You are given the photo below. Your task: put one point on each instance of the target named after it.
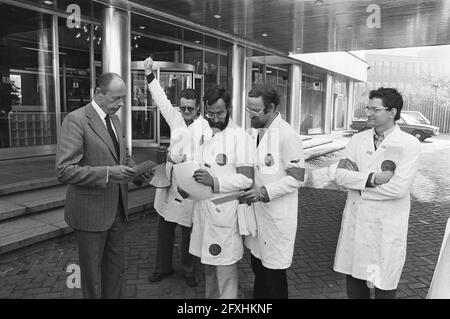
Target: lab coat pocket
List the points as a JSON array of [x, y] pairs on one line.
[[224, 215]]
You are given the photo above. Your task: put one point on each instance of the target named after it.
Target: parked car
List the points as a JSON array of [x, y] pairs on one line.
[[407, 124], [419, 117]]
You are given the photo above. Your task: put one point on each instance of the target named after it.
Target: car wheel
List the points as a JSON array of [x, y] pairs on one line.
[[419, 135]]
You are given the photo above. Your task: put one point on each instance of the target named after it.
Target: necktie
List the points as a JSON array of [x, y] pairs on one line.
[[377, 139], [112, 135]]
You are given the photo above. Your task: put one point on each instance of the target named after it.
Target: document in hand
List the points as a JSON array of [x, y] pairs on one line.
[[160, 179], [183, 174], [141, 168]]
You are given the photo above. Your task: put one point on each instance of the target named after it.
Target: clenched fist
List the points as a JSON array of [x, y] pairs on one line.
[[148, 64]]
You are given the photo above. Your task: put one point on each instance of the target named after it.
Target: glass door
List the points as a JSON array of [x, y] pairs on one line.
[[143, 112], [340, 103]]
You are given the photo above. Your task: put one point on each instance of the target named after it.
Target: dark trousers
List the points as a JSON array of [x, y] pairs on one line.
[[164, 249], [101, 260], [269, 283], [358, 289]]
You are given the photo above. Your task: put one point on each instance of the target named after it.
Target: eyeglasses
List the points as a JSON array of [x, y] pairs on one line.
[[369, 109], [218, 115], [253, 113], [186, 109]]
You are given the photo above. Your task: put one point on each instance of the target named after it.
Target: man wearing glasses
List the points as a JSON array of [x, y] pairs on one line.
[[279, 173], [187, 128], [378, 171], [227, 168]]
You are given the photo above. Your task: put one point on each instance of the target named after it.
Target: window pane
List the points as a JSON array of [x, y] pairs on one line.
[[210, 70], [27, 104]]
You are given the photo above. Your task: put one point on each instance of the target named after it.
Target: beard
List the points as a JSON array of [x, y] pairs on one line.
[[220, 125], [256, 123]]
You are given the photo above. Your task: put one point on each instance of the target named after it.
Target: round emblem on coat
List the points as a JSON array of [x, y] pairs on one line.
[[268, 160], [215, 249], [221, 159]]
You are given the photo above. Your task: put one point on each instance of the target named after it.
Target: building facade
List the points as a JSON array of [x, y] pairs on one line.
[[52, 52]]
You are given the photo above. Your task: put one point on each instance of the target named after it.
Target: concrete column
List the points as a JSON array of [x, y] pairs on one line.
[[351, 103], [294, 99], [329, 116], [236, 83], [117, 57]]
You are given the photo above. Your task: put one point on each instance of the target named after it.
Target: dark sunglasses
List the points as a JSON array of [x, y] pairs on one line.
[[187, 108]]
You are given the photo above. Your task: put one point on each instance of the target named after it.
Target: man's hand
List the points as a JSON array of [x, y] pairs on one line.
[[203, 177], [148, 64], [348, 165], [182, 192], [120, 173], [251, 196], [351, 166], [383, 177]]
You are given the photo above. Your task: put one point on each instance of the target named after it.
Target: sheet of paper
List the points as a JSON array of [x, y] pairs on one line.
[[141, 168], [226, 199], [160, 179], [183, 173], [440, 285]]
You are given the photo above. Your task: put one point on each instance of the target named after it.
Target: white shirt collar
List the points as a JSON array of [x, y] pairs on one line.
[[99, 110]]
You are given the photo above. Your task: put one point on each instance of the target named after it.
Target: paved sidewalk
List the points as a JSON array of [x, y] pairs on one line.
[[39, 271]]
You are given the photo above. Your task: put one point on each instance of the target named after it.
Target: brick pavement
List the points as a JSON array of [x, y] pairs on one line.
[[39, 271]]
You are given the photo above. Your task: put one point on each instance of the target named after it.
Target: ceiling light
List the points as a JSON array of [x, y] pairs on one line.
[[49, 3], [142, 27], [264, 34], [78, 35], [217, 16], [197, 41]]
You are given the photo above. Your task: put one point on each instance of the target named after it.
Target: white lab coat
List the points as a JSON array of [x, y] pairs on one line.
[[215, 234], [277, 219], [440, 285], [374, 228], [185, 140]]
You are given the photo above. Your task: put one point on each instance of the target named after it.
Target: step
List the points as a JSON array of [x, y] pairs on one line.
[[316, 142], [27, 230], [28, 185], [35, 201], [323, 150]]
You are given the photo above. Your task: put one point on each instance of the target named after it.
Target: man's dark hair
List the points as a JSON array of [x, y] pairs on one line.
[[190, 94], [104, 81], [268, 94], [215, 93], [391, 99]]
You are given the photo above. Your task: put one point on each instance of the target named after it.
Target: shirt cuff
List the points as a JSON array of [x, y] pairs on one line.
[[265, 195], [150, 78], [370, 180], [216, 188]]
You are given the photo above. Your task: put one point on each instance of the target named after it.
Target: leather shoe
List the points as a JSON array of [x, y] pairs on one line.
[[157, 277], [191, 281]]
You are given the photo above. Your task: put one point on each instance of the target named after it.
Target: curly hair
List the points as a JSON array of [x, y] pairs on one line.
[[391, 99]]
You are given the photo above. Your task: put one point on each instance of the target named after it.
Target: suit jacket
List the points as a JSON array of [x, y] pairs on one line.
[[84, 151]]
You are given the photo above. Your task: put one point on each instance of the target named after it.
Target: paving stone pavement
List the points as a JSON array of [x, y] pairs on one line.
[[39, 271]]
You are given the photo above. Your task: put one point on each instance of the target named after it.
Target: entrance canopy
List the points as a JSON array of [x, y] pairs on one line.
[[307, 26]]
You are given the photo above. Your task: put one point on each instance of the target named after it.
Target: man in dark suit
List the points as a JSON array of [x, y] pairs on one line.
[[93, 160]]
